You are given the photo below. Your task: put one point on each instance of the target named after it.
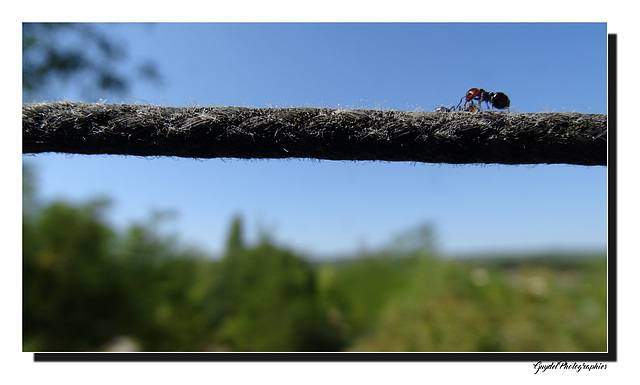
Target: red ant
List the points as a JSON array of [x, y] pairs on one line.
[[498, 100]]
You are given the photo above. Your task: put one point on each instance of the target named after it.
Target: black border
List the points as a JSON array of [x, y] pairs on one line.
[[325, 357], [612, 195], [610, 355]]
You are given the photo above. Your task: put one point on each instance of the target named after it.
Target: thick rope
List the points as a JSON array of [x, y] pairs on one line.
[[321, 133]]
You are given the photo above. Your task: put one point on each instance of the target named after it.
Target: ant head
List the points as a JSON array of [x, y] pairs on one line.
[[473, 94]]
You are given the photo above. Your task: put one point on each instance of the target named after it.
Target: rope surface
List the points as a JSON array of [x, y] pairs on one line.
[[321, 133]]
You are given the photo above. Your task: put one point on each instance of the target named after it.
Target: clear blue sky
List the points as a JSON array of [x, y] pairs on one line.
[[327, 207]]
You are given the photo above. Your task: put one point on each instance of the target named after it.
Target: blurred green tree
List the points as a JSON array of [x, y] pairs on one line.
[[78, 54], [166, 286], [354, 292], [235, 241], [265, 300], [72, 298], [84, 285]]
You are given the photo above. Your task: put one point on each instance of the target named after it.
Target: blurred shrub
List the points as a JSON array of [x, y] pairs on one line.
[[471, 308], [67, 275]]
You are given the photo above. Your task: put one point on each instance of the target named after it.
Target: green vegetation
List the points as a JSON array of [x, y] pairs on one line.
[[86, 285]]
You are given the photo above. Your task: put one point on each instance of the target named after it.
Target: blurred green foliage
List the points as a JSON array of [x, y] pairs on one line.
[[265, 300], [87, 286], [79, 55]]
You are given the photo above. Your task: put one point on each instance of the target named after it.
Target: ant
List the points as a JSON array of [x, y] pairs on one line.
[[498, 100]]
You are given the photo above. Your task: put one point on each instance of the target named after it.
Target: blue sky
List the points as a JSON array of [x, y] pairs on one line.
[[325, 207]]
